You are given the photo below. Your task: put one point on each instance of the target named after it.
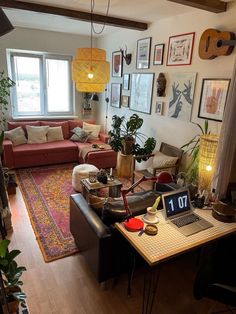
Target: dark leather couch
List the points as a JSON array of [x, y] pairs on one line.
[[104, 248]]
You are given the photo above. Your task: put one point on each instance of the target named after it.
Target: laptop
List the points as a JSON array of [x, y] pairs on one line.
[[180, 214]]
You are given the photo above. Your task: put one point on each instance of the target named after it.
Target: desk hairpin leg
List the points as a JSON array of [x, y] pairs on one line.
[[131, 272], [150, 285]]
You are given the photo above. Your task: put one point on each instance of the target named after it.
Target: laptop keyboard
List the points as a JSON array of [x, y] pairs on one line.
[[185, 220]]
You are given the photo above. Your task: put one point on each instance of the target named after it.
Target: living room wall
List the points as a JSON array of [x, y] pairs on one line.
[[46, 41], [164, 128]]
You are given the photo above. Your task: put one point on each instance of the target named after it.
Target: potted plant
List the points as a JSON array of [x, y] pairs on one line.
[[5, 86], [11, 273], [192, 147], [124, 136]]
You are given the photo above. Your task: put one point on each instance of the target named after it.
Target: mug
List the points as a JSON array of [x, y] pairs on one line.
[[93, 176]]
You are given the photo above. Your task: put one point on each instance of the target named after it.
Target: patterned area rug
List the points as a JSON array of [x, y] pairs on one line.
[[46, 192]]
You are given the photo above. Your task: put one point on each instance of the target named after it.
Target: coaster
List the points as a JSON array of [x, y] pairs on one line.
[[154, 221]]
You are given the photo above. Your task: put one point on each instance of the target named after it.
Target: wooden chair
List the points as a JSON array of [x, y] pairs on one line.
[[166, 149]]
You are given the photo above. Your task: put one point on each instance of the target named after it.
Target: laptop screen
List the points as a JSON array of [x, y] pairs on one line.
[[176, 202]]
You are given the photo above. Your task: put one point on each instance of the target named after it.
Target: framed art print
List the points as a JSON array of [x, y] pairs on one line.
[[117, 64], [213, 99], [115, 95], [143, 53], [159, 108], [158, 54], [180, 49], [126, 81], [141, 92], [125, 101]]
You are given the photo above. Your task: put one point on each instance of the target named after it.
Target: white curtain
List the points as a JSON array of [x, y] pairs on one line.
[[227, 141]]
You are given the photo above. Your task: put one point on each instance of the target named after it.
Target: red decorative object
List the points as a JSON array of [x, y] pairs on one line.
[[134, 224], [164, 177]]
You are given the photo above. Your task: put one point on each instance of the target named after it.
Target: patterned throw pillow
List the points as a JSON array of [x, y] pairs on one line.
[[161, 160], [17, 136], [79, 135]]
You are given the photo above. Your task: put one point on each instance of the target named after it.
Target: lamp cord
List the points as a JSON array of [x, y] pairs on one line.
[[92, 9]]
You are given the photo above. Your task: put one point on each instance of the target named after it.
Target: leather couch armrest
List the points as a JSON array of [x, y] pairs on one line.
[[8, 157], [95, 223], [104, 137]]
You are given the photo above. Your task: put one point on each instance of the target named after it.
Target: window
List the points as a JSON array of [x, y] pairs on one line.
[[43, 84]]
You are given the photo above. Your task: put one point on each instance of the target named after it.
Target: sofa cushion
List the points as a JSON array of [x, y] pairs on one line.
[[63, 124], [17, 136], [59, 146], [93, 128], [55, 134], [77, 123], [80, 135], [12, 125], [37, 134]]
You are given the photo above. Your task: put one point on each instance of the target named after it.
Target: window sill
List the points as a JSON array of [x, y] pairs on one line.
[[43, 118]]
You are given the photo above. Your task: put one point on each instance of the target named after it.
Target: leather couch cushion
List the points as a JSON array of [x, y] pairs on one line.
[[113, 211], [12, 125]]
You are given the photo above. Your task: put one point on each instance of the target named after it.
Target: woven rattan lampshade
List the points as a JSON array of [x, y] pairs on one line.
[[90, 60], [207, 159]]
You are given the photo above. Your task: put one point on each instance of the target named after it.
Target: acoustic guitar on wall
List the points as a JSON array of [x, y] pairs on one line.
[[214, 43]]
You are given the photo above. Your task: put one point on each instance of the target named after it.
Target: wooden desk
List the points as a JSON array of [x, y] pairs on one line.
[[168, 243]]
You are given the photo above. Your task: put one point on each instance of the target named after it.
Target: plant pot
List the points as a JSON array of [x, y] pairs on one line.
[[125, 165], [128, 146], [13, 304]]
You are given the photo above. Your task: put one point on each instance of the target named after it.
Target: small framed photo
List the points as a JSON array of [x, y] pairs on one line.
[[180, 49], [117, 64], [158, 54], [143, 53], [115, 95], [159, 108], [213, 98], [126, 81], [125, 101]]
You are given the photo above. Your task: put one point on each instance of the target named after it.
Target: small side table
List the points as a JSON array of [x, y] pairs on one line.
[[113, 185]]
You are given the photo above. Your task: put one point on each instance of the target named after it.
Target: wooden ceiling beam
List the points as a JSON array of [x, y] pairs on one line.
[[74, 14], [215, 6]]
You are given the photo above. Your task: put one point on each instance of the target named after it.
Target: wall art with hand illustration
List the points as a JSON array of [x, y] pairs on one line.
[[182, 93], [213, 98]]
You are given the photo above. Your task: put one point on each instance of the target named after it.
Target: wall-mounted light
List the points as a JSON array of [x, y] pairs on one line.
[[5, 24]]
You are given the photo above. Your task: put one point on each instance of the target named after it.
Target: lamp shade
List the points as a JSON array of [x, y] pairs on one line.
[[207, 160], [5, 24], [90, 70]]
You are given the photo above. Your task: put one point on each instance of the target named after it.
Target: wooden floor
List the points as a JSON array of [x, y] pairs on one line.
[[67, 285]]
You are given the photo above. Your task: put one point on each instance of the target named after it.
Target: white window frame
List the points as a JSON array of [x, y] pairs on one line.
[[43, 85]]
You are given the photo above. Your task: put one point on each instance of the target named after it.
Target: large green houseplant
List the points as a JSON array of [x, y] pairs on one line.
[[11, 273], [193, 147], [5, 87], [124, 135]]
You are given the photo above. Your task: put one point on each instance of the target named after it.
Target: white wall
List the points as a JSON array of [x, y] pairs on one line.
[[45, 41], [163, 128]]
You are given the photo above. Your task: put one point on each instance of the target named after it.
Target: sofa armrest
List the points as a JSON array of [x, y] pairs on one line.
[[104, 137], [8, 157]]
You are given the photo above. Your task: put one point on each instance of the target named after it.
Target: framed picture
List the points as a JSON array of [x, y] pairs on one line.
[[117, 64], [141, 92], [115, 95], [158, 54], [125, 101], [182, 95], [143, 53], [180, 49], [126, 81], [213, 98], [159, 108]]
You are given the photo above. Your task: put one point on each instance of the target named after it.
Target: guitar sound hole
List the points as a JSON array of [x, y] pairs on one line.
[[219, 43]]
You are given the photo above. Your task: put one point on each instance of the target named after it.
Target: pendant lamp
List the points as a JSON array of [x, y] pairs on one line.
[[5, 24], [90, 70]]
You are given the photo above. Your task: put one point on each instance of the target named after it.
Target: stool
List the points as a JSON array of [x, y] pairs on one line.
[[81, 172]]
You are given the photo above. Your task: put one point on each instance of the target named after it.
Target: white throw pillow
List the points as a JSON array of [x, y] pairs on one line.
[[55, 134], [17, 136], [37, 134], [161, 160], [94, 128]]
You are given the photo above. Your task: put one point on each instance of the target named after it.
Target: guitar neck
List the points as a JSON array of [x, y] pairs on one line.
[[221, 43]]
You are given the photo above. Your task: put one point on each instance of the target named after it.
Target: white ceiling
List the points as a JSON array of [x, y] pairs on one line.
[[139, 10]]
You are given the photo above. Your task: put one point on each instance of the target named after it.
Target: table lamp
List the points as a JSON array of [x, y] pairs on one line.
[[133, 224]]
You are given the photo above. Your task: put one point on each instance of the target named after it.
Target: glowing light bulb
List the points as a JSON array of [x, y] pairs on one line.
[[90, 76], [208, 168]]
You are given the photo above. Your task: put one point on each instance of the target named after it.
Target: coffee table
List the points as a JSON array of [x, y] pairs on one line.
[[114, 187]]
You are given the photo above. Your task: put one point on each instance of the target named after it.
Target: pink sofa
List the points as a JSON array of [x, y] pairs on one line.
[[28, 155]]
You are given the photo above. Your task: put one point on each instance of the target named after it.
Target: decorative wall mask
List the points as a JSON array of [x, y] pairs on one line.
[[161, 85]]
